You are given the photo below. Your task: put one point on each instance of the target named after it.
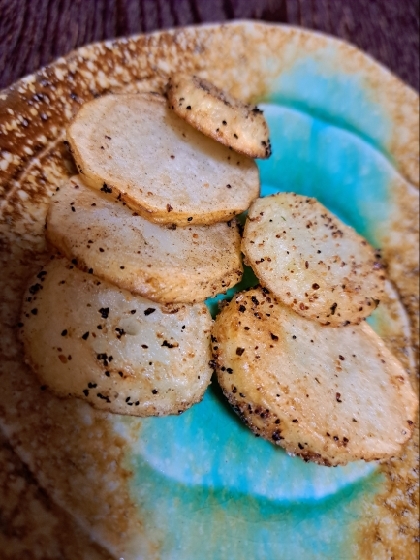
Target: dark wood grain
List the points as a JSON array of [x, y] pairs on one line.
[[35, 32]]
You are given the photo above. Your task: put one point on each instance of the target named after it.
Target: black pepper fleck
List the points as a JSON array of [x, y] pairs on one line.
[[106, 189], [104, 311], [168, 344], [149, 311]]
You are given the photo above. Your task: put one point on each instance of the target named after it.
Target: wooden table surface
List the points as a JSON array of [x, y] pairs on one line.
[[35, 32]]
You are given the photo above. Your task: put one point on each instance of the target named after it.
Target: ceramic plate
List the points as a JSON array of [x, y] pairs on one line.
[[202, 486]]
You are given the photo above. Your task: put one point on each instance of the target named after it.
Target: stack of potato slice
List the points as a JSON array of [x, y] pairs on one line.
[[294, 356], [145, 233]]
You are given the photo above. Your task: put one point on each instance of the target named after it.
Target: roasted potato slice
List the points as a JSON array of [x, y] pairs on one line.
[[312, 261], [328, 395], [121, 353], [217, 114], [166, 265], [134, 146]]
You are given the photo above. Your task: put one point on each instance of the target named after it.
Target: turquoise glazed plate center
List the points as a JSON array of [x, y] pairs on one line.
[[206, 466]]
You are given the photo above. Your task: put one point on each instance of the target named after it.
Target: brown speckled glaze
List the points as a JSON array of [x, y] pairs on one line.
[[73, 451], [33, 527]]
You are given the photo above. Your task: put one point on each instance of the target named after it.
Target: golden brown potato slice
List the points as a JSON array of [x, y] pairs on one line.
[[166, 265], [328, 395], [134, 146], [219, 115], [120, 352], [312, 261]]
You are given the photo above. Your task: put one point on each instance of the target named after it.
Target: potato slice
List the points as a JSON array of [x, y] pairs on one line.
[[134, 146], [121, 353], [166, 265], [328, 395], [310, 260], [219, 115]]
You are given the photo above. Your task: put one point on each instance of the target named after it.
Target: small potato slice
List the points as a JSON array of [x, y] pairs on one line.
[[328, 395], [219, 115], [121, 353], [134, 146], [162, 264], [312, 261]]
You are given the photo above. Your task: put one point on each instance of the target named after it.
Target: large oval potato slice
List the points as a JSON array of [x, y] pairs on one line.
[[220, 116], [312, 261], [158, 164], [328, 395], [166, 265], [121, 353]]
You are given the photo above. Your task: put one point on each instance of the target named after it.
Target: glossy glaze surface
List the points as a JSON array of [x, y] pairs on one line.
[[201, 485]]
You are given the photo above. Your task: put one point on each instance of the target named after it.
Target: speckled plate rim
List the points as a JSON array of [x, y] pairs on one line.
[[34, 110]]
